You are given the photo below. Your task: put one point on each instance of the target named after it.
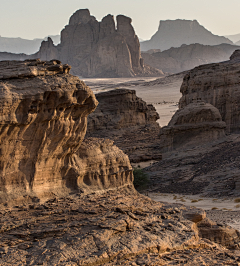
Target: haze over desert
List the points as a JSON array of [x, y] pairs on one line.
[[119, 133]]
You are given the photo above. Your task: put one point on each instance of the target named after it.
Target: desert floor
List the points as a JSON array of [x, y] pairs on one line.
[[164, 94], [224, 210]]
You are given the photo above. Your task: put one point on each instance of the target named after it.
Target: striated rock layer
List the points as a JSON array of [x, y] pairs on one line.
[[217, 84], [43, 122], [129, 121]]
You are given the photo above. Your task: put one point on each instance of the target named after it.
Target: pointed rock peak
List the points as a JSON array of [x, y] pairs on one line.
[[107, 26], [235, 55], [121, 19], [81, 16]]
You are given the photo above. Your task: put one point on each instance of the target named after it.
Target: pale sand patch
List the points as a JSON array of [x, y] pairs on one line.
[[219, 210], [196, 201]]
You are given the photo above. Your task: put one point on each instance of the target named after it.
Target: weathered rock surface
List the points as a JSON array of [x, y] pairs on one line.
[[186, 57], [110, 228], [174, 33], [197, 123], [43, 121], [219, 233], [129, 121], [217, 84]]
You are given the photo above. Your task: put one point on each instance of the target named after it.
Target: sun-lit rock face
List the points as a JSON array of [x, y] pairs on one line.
[[217, 84], [43, 122]]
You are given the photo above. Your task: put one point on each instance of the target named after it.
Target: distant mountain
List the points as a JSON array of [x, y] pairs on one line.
[[186, 57], [19, 45], [174, 33], [234, 38], [237, 43]]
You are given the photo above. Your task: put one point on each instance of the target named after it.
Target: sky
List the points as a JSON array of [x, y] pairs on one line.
[[31, 19]]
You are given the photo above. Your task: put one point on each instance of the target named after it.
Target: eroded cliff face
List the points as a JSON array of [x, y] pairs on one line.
[[98, 49], [217, 84], [124, 117], [43, 122]]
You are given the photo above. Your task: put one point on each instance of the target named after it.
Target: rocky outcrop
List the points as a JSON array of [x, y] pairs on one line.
[[219, 233], [186, 57], [195, 124], [43, 118], [111, 228], [19, 45], [98, 49], [174, 33], [129, 121], [217, 84]]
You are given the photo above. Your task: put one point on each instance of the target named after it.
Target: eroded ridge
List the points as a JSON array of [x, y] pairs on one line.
[[43, 121]]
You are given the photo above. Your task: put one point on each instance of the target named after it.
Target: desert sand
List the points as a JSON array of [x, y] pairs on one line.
[[224, 210]]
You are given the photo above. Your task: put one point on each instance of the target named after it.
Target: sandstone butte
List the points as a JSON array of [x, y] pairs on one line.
[[95, 49], [129, 121], [69, 201], [217, 84]]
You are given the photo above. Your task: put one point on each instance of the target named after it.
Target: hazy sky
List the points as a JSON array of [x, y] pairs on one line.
[[38, 18]]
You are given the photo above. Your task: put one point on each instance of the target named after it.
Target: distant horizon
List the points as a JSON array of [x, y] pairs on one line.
[[28, 19], [135, 32]]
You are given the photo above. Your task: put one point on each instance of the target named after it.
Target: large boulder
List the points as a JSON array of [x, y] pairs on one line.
[[195, 124], [43, 119], [217, 84]]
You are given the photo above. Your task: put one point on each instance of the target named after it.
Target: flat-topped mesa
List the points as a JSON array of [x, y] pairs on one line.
[[174, 33], [43, 122], [217, 84], [195, 124], [119, 109]]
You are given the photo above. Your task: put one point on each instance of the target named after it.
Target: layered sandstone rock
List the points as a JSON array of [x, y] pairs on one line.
[[129, 121], [110, 228], [43, 118], [174, 33], [217, 84], [195, 124], [98, 49], [186, 57]]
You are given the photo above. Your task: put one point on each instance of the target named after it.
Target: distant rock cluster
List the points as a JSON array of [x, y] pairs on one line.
[[95, 49], [186, 57]]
